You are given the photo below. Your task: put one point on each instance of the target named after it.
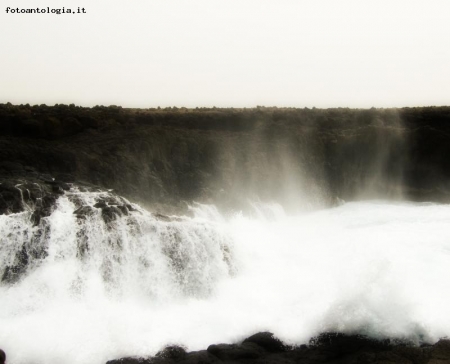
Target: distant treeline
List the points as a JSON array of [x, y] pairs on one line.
[[52, 122]]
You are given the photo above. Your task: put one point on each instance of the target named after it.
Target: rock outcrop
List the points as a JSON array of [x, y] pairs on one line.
[[326, 348], [165, 158], [33, 200]]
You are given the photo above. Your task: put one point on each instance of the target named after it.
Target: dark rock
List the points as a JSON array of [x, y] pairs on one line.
[[110, 213], [123, 209], [330, 348], [48, 201], [173, 352], [389, 357], [170, 355], [340, 344], [267, 341], [2, 356], [199, 357], [65, 180], [58, 190], [38, 200], [10, 198], [44, 207], [12, 273], [64, 186], [441, 351], [11, 166], [46, 178], [162, 217], [84, 211], [412, 353], [129, 361], [246, 350], [130, 208], [58, 185], [101, 204], [31, 251]]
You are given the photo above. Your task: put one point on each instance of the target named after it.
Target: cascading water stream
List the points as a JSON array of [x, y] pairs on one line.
[[101, 278]]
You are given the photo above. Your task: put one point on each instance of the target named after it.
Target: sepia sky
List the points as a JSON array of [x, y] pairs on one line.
[[240, 53]]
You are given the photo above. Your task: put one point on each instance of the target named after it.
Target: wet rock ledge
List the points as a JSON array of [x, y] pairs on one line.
[[265, 348]]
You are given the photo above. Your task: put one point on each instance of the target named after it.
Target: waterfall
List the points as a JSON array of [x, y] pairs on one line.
[[100, 277], [133, 251]]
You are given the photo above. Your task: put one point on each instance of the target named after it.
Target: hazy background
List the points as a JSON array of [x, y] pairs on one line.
[[148, 53]]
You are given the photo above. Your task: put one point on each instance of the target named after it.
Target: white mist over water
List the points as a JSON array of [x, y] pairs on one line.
[[376, 268]]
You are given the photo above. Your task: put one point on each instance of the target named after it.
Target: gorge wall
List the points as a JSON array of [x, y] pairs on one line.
[[300, 158], [83, 259]]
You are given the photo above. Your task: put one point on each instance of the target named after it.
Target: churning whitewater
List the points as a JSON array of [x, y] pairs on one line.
[[99, 287]]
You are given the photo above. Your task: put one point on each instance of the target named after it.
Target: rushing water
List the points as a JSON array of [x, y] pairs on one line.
[[104, 290]]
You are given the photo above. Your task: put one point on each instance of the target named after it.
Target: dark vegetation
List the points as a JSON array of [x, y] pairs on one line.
[[164, 158]]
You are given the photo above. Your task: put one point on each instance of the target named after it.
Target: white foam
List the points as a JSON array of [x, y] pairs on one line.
[[369, 267]]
